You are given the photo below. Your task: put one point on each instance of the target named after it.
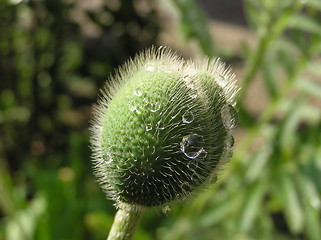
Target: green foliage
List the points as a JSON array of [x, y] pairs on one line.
[[262, 195], [54, 55], [193, 25]]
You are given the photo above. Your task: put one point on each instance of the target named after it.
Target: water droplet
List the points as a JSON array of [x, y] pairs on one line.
[[189, 82], [107, 157], [138, 92], [133, 108], [229, 142], [149, 127], [166, 210], [160, 125], [229, 116], [227, 154], [193, 94], [188, 117], [187, 79], [154, 107], [150, 68], [212, 179], [202, 154], [192, 146]]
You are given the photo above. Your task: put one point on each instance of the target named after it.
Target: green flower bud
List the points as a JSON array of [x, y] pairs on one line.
[[163, 128]]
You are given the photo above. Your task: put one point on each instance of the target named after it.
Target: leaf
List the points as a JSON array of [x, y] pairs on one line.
[[7, 196], [220, 212], [314, 66], [252, 205], [308, 191], [310, 87], [287, 61], [313, 224], [256, 167], [194, 24], [23, 224], [269, 70], [253, 11], [291, 203], [305, 23], [289, 126], [315, 4], [307, 113]]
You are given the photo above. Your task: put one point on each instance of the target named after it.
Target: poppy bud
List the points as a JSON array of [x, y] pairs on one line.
[[162, 128]]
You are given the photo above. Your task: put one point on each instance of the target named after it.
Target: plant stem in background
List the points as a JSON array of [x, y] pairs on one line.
[[264, 42], [191, 18], [125, 223]]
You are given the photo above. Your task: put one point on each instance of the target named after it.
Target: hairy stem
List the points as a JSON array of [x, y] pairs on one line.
[[125, 223]]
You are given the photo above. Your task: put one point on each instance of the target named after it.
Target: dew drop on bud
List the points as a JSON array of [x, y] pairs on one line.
[[107, 157], [160, 125], [212, 179], [187, 79], [149, 127], [193, 146], [189, 82], [202, 154], [154, 107], [188, 117], [227, 154], [149, 68], [132, 106], [193, 94], [166, 210], [138, 92], [229, 142], [229, 116]]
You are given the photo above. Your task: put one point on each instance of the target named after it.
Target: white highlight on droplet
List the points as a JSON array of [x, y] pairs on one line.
[[160, 125], [149, 127], [188, 117], [138, 92], [107, 157], [154, 107], [193, 146], [189, 82], [150, 68], [166, 210], [229, 141], [229, 116]]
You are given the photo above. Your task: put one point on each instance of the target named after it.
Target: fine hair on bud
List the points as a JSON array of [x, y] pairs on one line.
[[162, 127]]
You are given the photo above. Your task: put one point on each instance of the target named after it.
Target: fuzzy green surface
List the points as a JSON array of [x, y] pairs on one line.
[[162, 134], [142, 139]]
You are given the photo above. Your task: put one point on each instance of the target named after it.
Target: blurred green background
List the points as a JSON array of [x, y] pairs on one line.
[[56, 54]]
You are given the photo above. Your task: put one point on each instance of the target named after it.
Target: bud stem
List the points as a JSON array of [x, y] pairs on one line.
[[125, 223]]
